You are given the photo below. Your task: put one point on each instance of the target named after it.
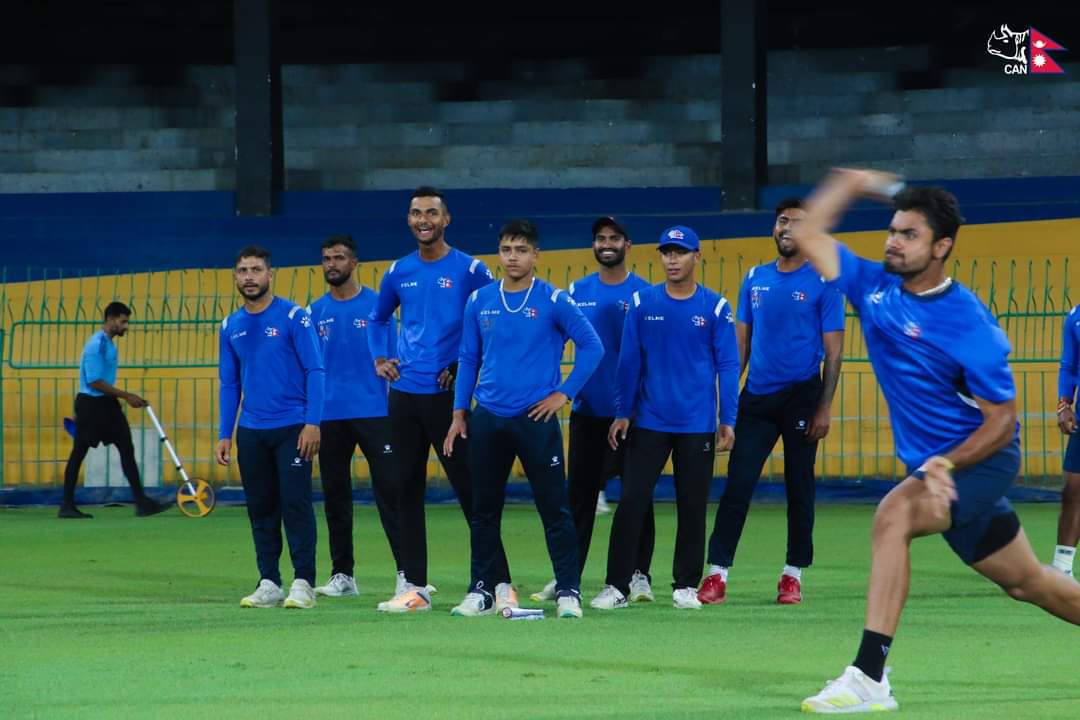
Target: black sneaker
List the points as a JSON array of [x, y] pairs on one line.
[[70, 512], [151, 507]]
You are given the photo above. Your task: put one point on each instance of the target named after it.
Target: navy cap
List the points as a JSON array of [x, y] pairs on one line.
[[611, 222], [682, 236]]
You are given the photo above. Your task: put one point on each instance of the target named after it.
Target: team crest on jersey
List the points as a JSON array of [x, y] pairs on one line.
[[624, 306], [486, 323], [323, 330], [529, 312], [798, 296], [271, 331], [912, 330], [698, 321], [359, 323], [445, 283]]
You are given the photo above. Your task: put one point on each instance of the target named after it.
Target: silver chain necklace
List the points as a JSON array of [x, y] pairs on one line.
[[520, 307], [935, 290]]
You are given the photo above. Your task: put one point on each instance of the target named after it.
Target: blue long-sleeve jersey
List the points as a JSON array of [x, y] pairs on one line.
[[1069, 374], [932, 355], [515, 347], [353, 390], [673, 353], [432, 296], [605, 307], [274, 358]]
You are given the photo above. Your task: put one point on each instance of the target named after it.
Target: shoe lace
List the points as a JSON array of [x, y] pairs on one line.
[[340, 579], [836, 684]]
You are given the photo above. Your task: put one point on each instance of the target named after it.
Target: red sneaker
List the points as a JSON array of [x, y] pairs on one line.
[[789, 591], [713, 591]]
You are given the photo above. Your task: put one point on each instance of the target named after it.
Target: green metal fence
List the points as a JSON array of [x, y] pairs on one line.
[[170, 355]]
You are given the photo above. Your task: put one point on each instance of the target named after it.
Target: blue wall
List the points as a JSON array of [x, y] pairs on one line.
[[141, 231]]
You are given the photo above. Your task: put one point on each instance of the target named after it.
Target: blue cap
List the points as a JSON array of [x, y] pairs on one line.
[[682, 236]]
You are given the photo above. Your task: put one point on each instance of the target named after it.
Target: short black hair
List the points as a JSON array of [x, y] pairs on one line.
[[937, 205], [788, 203], [255, 251], [343, 240], [117, 309], [429, 191], [522, 228]]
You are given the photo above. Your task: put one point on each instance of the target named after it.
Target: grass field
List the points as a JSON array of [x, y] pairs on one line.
[[121, 617]]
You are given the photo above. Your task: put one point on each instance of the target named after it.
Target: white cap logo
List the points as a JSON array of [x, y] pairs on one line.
[[676, 234]]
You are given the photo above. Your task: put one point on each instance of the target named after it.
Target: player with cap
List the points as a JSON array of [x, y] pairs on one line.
[[604, 298], [678, 354]]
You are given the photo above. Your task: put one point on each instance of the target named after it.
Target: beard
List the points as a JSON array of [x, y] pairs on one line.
[[790, 252], [902, 270], [436, 236], [337, 281], [620, 256], [259, 292]]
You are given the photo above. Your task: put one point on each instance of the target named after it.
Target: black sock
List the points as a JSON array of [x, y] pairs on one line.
[[873, 650]]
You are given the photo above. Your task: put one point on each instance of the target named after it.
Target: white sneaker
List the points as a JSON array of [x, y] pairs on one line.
[[570, 606], [505, 596], [853, 692], [339, 585], [301, 595], [401, 585], [267, 595], [410, 599], [548, 593], [609, 599], [602, 507], [473, 605], [640, 590], [686, 599]]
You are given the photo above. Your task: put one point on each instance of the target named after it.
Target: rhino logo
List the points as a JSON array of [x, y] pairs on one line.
[[1008, 45]]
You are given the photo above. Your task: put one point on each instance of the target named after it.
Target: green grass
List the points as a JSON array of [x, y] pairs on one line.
[[121, 617]]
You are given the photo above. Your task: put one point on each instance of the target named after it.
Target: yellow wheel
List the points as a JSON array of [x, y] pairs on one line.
[[195, 498]]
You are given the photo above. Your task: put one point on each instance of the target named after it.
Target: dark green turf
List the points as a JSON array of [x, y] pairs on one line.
[[120, 617]]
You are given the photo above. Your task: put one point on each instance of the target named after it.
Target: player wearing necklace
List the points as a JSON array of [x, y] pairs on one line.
[[511, 354]]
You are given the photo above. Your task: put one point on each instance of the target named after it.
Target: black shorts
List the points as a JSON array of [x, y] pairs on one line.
[[100, 419], [980, 490]]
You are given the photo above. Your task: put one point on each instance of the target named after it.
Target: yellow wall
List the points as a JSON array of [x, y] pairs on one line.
[[1012, 266]]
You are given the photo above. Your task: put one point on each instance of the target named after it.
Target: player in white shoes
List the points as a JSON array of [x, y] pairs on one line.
[[520, 323], [852, 692], [942, 363]]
